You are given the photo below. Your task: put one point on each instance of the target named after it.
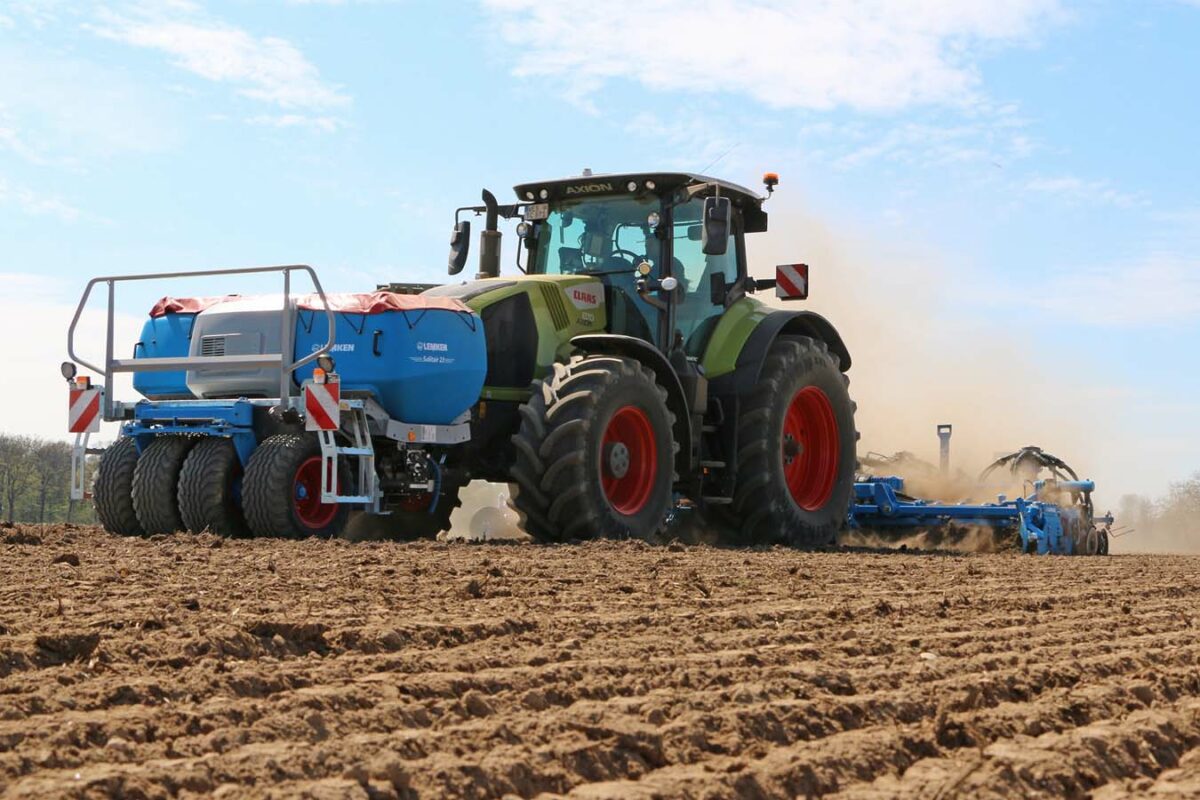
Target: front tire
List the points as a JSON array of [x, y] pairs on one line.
[[281, 492], [112, 493], [156, 484], [209, 485], [796, 449], [595, 453]]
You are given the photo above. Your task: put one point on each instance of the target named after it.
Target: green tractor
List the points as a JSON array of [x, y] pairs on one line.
[[624, 370], [630, 367]]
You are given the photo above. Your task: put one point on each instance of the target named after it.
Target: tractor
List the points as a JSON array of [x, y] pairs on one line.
[[625, 365]]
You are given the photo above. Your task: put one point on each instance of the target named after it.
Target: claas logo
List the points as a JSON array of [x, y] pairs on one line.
[[584, 297]]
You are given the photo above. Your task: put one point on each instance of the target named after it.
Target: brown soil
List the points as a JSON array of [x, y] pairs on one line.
[[185, 666]]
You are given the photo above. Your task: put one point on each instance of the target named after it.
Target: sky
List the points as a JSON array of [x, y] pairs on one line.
[[999, 200]]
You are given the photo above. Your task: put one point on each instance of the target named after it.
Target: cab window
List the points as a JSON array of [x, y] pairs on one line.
[[696, 314]]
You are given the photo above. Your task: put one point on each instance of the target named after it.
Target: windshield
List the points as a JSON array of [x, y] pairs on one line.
[[594, 235]]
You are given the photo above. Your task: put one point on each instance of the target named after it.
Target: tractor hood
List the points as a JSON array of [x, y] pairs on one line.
[[529, 321]]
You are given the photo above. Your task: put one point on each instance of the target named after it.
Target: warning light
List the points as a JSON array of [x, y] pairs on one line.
[[770, 180], [318, 375], [83, 382]]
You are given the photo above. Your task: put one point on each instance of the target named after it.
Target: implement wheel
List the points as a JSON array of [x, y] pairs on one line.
[[156, 484], [281, 492], [595, 456], [112, 492], [796, 449], [210, 489]]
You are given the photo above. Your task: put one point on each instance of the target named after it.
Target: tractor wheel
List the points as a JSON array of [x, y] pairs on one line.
[[156, 484], [1091, 544], [595, 455], [796, 449], [281, 492], [210, 489], [1103, 544], [112, 492]]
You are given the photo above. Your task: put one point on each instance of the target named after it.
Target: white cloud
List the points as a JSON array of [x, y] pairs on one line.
[[1161, 290], [863, 54], [36, 204], [63, 111], [1079, 190], [324, 124], [267, 68]]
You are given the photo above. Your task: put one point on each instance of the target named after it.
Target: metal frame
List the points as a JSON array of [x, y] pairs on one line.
[[1037, 518], [356, 427], [246, 362]]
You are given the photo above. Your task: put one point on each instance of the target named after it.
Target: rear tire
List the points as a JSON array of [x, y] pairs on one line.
[[281, 490], [595, 454], [796, 449], [208, 489], [1103, 543], [112, 493], [156, 484]]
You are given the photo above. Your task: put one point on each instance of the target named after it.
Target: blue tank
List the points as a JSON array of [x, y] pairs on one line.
[[424, 360], [165, 336]]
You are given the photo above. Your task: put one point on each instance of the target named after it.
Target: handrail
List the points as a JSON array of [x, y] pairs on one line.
[[287, 367]]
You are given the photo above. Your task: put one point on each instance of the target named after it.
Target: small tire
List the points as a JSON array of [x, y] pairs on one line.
[[281, 490], [595, 452], [796, 451], [1091, 544], [112, 493], [1103, 548], [156, 484], [210, 488]]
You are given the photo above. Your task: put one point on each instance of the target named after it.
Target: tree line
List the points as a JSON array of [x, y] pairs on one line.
[[1168, 524], [35, 481]]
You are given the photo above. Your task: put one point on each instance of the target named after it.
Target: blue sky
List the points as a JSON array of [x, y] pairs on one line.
[[1005, 195]]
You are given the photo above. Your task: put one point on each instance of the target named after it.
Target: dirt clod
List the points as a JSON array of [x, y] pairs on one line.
[[600, 669]]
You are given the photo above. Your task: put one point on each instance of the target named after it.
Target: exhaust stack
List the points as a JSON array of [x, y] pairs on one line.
[[944, 432]]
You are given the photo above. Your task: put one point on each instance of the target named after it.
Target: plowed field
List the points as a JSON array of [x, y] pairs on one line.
[[185, 666]]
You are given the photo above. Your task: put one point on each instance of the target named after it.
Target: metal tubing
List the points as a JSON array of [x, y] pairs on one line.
[[112, 365]]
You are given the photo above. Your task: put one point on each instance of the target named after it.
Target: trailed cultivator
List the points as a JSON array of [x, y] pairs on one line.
[[626, 365], [1056, 517]]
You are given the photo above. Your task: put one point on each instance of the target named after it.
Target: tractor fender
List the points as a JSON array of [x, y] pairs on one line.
[[646, 353], [779, 323]]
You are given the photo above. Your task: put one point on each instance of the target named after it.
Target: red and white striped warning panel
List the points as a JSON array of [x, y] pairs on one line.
[[321, 409], [791, 281], [83, 411]]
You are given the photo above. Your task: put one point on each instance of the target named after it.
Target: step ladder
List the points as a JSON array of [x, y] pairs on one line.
[[365, 481]]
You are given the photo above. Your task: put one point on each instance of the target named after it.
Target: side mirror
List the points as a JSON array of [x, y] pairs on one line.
[[460, 245], [717, 215], [718, 289]]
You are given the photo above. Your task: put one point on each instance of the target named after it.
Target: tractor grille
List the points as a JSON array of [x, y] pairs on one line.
[[212, 346], [555, 305]]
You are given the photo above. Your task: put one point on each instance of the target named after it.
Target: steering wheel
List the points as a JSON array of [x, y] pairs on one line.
[[634, 258]]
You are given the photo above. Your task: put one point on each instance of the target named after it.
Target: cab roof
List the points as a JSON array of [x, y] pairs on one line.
[[580, 186]]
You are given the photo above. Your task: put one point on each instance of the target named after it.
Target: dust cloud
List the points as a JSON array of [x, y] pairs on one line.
[[924, 354]]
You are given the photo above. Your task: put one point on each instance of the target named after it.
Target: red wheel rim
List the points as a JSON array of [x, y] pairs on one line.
[[306, 496], [811, 448], [628, 460]]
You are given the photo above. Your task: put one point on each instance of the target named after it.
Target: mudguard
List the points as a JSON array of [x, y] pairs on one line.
[[648, 354], [778, 323]]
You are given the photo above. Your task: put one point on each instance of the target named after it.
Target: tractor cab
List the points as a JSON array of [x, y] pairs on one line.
[[667, 273]]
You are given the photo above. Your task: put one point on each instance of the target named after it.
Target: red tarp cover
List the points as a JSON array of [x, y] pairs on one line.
[[187, 305], [378, 303]]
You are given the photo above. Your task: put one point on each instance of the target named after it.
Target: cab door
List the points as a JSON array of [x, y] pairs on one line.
[[698, 307]]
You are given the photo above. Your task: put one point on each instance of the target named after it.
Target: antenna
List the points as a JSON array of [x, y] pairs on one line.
[[720, 158]]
